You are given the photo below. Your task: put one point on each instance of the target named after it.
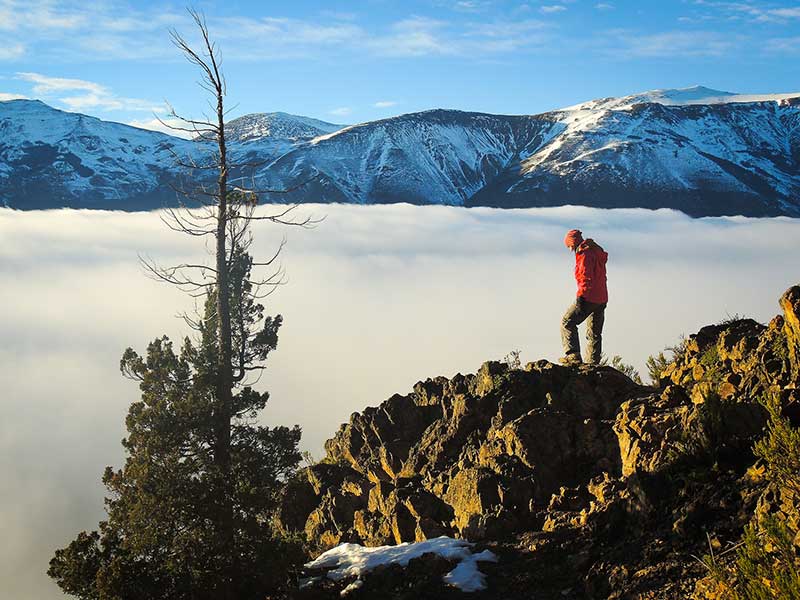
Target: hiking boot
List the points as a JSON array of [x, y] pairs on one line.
[[571, 360]]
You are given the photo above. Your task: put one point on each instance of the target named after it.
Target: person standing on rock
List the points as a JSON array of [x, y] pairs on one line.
[[592, 297]]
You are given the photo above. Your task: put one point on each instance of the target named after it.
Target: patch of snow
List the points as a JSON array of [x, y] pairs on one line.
[[352, 587], [308, 582], [466, 576], [354, 560], [327, 136]]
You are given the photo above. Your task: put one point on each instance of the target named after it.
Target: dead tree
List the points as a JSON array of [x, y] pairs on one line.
[[213, 209]]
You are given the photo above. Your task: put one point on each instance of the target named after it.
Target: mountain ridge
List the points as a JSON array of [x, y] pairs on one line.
[[698, 150]]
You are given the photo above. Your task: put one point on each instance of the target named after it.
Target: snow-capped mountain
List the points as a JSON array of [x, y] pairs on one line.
[[433, 157], [277, 125], [261, 137], [50, 158], [698, 150], [703, 151]]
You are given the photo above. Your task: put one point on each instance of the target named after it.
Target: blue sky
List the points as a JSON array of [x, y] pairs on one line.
[[348, 62]]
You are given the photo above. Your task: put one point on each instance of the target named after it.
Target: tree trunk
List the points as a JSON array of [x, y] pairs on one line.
[[224, 390]]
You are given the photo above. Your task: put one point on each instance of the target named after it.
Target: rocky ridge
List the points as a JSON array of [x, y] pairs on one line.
[[586, 484]]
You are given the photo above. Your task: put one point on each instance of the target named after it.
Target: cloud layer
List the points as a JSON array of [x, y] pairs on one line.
[[378, 297]]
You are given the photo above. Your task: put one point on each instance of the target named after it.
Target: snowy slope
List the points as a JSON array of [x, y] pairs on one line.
[[703, 151], [53, 158], [434, 157], [665, 149], [268, 135]]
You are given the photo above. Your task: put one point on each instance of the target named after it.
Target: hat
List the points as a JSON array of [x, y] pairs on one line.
[[573, 238]]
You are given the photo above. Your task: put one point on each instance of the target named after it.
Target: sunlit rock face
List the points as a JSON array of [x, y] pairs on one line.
[[696, 150], [473, 455]]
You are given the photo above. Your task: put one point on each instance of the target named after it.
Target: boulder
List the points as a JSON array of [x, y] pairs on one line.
[[648, 428], [378, 441], [472, 493], [558, 448]]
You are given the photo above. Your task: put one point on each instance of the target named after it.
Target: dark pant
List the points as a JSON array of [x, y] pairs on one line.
[[577, 314]]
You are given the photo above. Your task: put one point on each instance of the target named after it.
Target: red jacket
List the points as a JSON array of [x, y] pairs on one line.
[[590, 272]]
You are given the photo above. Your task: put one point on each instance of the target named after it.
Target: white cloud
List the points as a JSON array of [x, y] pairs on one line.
[[502, 37], [751, 11], [471, 6], [42, 84], [385, 104], [342, 111], [159, 125], [432, 276], [339, 15], [95, 96], [506, 29], [415, 36], [120, 31], [283, 38], [696, 19], [272, 38], [44, 15], [784, 45], [783, 13], [87, 30], [108, 102], [668, 44], [10, 96], [12, 51], [67, 17]]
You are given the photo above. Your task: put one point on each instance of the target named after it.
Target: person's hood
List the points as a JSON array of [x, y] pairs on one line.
[[589, 244]]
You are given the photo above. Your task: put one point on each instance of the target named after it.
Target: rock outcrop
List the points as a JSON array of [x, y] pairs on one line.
[[477, 455], [607, 486]]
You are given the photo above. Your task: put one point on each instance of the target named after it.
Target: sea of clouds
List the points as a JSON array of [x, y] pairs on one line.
[[377, 298]]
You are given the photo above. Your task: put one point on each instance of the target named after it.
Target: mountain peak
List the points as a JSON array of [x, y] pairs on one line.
[[279, 125], [26, 104], [694, 95], [699, 94]]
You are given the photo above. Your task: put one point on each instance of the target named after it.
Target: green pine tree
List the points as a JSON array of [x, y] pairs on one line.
[[160, 539]]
